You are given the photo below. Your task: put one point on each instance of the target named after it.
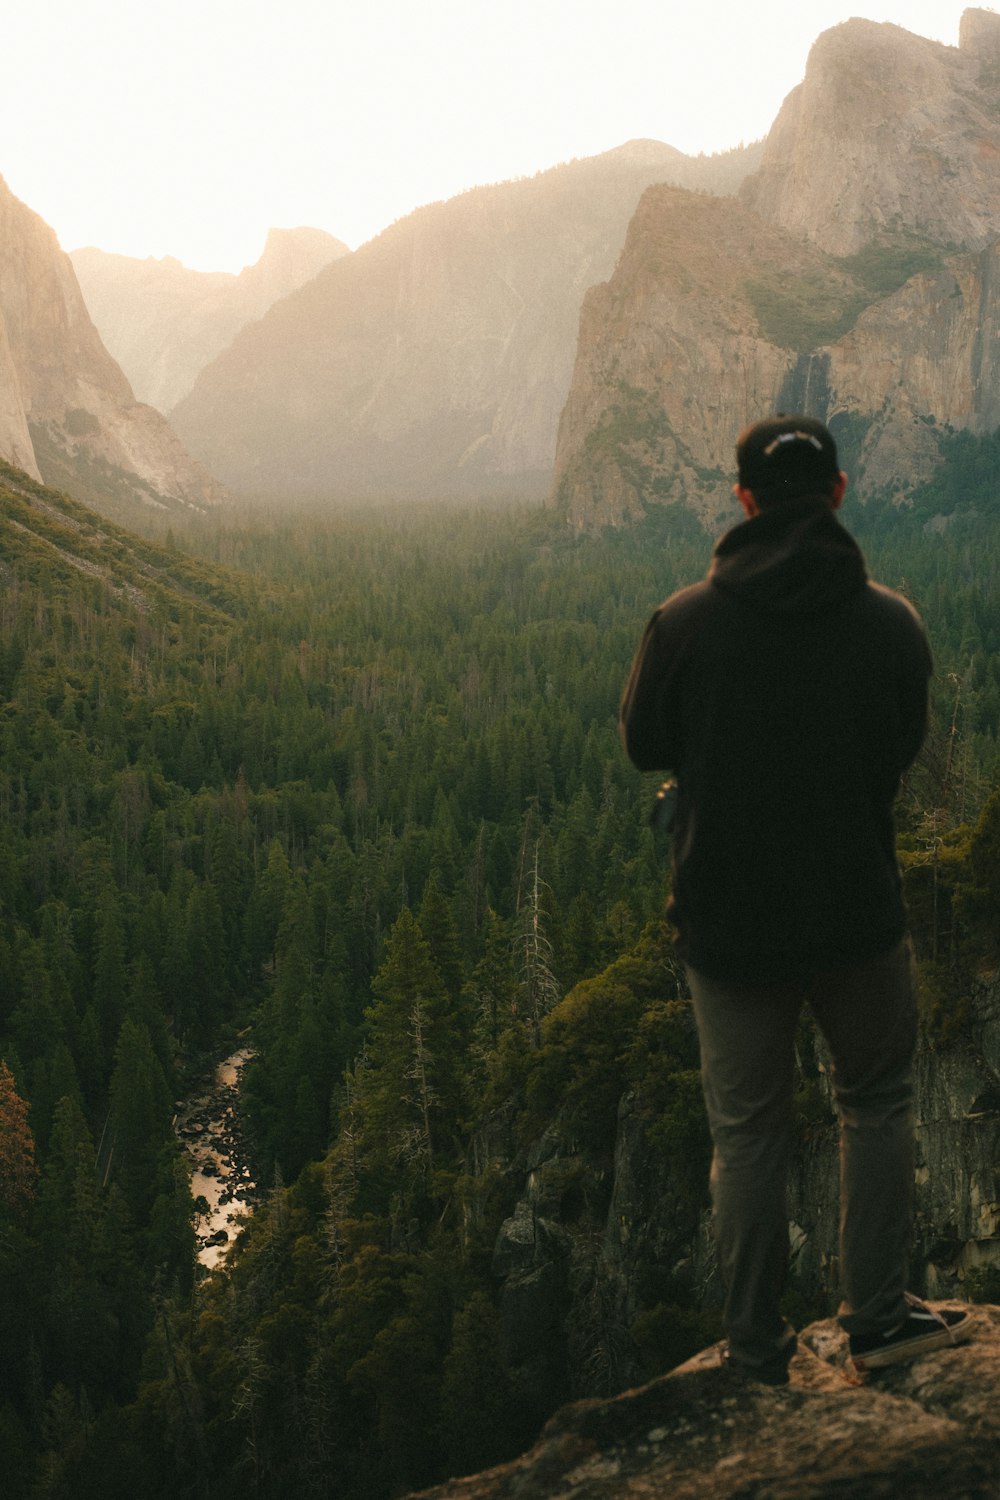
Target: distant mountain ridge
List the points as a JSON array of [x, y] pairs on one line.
[[835, 274], [855, 276], [511, 341], [436, 359], [163, 322], [67, 413]]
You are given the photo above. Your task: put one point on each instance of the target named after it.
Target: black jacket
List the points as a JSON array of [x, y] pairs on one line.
[[787, 693]]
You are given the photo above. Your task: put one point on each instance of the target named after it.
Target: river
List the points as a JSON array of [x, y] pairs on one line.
[[207, 1127]]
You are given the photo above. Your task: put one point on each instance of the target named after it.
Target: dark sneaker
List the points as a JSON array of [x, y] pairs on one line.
[[773, 1371], [922, 1330]]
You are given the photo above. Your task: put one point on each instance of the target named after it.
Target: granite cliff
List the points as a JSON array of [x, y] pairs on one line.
[[67, 413], [435, 360], [164, 323], [672, 354], [888, 133], [855, 277]]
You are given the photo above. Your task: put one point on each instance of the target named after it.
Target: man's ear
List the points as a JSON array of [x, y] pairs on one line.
[[837, 492], [746, 499]]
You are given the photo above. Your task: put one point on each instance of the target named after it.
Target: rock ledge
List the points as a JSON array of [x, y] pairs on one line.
[[924, 1429]]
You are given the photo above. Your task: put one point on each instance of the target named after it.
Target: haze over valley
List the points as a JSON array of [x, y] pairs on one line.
[[439, 359]]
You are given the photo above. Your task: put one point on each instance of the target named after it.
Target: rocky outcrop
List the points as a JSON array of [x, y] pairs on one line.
[[672, 356], [164, 323], [436, 359], [923, 1430], [67, 413], [888, 134], [605, 1255]]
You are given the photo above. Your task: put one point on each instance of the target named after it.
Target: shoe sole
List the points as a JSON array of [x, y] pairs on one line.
[[923, 1343]]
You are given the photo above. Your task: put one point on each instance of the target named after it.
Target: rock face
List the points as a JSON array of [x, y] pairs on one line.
[[856, 279], [435, 360], [888, 133], [701, 329], [671, 356], [923, 1430], [925, 359], [67, 413], [164, 323]]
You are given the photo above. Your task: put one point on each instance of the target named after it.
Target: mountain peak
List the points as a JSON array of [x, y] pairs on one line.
[[290, 257], [435, 360], [642, 151], [979, 32], [302, 237], [164, 322], [67, 414], [888, 134]]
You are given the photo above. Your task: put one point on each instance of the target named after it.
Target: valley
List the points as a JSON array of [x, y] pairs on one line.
[[319, 585]]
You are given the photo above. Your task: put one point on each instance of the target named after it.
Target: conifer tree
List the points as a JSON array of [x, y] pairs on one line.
[[78, 1325], [539, 986], [109, 968], [140, 1116], [266, 907], [441, 936], [493, 983], [411, 1089], [479, 1411], [207, 999]]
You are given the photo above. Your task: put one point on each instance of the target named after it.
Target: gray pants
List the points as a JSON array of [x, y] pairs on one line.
[[867, 1013]]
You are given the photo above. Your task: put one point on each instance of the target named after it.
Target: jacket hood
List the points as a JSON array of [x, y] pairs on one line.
[[794, 558]]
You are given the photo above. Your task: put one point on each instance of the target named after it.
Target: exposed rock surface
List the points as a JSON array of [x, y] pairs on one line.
[[164, 323], [925, 358], [888, 132], [923, 1430], [67, 413], [672, 360], [606, 1252], [719, 313], [671, 357], [436, 359]]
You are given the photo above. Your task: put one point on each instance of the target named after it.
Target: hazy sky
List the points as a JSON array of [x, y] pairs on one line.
[[188, 127]]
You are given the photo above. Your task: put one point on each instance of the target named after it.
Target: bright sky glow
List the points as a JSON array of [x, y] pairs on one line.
[[190, 128]]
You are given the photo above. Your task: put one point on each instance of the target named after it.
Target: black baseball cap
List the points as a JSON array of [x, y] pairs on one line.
[[785, 456]]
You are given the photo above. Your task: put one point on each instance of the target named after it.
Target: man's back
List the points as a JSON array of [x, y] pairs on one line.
[[787, 694]]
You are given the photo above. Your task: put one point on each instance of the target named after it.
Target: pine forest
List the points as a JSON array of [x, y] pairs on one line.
[[345, 787]]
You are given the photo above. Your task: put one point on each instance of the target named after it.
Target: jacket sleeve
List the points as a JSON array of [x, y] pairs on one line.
[[649, 717], [649, 721]]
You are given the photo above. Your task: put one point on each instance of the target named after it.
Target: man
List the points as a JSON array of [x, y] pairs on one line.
[[788, 693]]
